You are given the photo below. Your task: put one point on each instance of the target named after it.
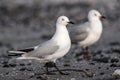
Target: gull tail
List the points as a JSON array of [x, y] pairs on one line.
[[16, 52], [22, 51], [32, 58]]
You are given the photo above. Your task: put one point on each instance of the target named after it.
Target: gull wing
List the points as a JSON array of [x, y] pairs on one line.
[[43, 50], [79, 33]]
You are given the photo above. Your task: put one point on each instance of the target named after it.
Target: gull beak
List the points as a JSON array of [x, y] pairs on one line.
[[71, 22], [103, 17]]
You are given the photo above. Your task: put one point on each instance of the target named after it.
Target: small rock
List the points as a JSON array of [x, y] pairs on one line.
[[5, 66], [114, 60], [114, 43], [102, 73], [92, 63], [12, 65], [66, 65], [21, 64], [99, 67], [116, 73], [107, 68], [113, 65], [104, 60], [22, 69], [26, 69], [116, 49]]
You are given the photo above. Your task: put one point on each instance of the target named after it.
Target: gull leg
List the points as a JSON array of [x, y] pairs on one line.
[[86, 53], [59, 70], [47, 65]]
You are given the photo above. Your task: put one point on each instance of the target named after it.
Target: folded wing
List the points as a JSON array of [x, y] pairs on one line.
[[79, 33], [43, 50]]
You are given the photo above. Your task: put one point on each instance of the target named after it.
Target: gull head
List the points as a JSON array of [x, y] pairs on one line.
[[63, 20], [95, 15]]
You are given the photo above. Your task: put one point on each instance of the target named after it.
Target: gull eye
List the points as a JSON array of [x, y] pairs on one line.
[[95, 14], [63, 19]]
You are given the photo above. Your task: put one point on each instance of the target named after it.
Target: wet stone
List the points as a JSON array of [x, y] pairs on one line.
[[7, 73], [116, 49], [5, 66], [22, 69], [107, 68], [77, 55], [92, 63], [114, 60], [66, 65], [99, 67], [26, 69], [113, 65], [102, 73], [104, 60], [29, 69], [21, 64], [79, 59], [12, 65], [114, 43]]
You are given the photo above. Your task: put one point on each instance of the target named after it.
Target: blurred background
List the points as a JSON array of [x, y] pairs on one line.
[[25, 23]]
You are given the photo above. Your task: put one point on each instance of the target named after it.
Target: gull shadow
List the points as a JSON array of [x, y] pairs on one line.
[[87, 73]]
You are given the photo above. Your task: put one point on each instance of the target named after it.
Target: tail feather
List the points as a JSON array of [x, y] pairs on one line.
[[16, 52], [22, 51], [33, 58]]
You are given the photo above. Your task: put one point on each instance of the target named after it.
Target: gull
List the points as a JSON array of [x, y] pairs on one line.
[[88, 33], [51, 50]]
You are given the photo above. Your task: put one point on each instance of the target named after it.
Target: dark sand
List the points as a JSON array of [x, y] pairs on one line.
[[24, 26]]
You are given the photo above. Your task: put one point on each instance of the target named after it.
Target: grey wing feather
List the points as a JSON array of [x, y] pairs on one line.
[[44, 49], [79, 33]]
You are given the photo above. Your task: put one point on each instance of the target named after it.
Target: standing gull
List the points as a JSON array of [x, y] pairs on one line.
[[51, 50], [88, 33]]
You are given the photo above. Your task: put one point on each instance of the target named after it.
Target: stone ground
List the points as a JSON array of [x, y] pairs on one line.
[[24, 26]]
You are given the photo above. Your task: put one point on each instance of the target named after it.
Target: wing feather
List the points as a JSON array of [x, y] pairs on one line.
[[44, 49]]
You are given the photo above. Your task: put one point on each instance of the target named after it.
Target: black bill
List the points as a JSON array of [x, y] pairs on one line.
[[103, 17], [71, 22]]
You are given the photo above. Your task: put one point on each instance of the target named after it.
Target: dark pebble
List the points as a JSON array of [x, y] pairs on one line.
[[87, 69], [1, 44], [22, 69], [29, 64], [115, 50], [113, 65], [78, 55], [79, 59], [21, 64], [99, 67], [101, 73], [7, 73], [114, 43], [107, 68], [29, 69], [92, 63], [114, 60], [12, 65], [104, 60], [5, 66], [66, 65], [26, 69]]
